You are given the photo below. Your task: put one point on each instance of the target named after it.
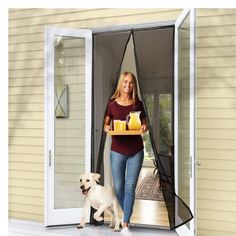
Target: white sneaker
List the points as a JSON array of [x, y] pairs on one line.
[[125, 232]]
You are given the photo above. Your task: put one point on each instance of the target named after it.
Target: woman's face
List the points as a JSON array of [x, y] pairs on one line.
[[128, 84]]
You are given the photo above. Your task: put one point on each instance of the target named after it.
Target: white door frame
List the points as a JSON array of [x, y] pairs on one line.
[[49, 117], [72, 215], [183, 230]]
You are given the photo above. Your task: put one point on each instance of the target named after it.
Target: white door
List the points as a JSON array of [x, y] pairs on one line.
[[185, 115], [68, 68]]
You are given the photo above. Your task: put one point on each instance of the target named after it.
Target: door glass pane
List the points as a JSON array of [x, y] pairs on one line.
[[183, 110], [69, 149]]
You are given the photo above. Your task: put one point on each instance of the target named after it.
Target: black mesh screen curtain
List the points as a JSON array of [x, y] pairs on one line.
[[154, 55], [108, 53]]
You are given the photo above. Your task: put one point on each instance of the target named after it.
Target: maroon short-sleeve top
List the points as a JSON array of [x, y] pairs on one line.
[[125, 144]]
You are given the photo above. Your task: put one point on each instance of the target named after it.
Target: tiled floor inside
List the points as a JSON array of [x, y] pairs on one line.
[[29, 228]]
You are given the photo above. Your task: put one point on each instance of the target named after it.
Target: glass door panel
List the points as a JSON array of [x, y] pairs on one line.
[[69, 145], [68, 67], [185, 116], [183, 110]]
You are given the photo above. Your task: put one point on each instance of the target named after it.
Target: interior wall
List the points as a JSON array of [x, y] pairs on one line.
[[128, 63]]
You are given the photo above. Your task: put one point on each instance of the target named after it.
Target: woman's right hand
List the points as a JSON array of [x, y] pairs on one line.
[[107, 123], [107, 128]]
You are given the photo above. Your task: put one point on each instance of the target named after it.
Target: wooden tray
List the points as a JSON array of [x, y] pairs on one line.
[[125, 132]]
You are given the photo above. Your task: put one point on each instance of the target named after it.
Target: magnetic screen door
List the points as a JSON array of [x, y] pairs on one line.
[[154, 50]]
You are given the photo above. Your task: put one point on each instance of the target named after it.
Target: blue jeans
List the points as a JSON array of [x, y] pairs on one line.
[[125, 173]]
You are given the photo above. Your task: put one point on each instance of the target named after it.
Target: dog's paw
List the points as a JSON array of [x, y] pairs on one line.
[[80, 226], [97, 217], [111, 225], [116, 229]]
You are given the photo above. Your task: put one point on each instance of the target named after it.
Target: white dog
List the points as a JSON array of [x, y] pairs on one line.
[[100, 198]]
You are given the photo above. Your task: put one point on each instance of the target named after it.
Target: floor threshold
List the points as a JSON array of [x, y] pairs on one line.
[[31, 228]]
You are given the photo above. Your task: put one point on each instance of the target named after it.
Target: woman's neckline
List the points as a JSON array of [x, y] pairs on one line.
[[123, 105]]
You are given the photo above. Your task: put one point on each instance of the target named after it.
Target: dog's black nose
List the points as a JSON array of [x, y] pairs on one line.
[[82, 187]]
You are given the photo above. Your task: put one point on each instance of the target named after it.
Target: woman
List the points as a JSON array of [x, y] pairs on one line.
[[126, 150]]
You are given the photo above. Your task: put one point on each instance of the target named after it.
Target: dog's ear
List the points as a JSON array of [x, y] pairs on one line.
[[96, 177]]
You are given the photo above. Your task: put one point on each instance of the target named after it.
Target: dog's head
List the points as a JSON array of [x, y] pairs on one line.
[[88, 181]]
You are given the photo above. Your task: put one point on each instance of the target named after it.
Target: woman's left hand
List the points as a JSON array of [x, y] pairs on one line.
[[144, 128]]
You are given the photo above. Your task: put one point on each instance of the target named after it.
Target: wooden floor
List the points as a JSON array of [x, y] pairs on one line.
[[148, 213]]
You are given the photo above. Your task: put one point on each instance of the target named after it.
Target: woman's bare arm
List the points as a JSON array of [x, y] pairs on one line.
[[144, 126], [107, 123]]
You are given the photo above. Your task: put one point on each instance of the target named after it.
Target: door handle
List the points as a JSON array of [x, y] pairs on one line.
[[190, 166], [50, 158], [188, 163]]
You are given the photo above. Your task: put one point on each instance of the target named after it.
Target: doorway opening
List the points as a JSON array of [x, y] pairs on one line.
[[149, 196], [155, 79], [70, 64]]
